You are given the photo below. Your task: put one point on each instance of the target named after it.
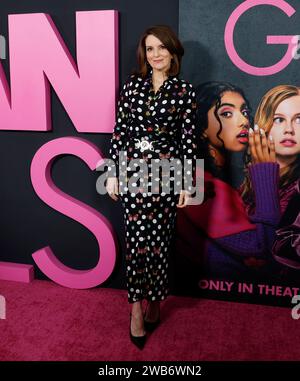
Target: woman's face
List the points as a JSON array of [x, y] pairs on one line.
[[234, 116], [286, 129], [157, 54]]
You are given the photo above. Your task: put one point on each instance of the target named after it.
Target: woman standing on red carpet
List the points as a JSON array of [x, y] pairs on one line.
[[155, 120]]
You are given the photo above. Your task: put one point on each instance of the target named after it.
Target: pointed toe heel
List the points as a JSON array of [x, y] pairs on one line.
[[138, 341]]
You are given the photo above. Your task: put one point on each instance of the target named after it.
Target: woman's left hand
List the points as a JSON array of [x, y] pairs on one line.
[[262, 149], [184, 198]]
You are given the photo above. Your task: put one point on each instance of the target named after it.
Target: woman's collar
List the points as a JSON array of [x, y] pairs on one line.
[[170, 78]]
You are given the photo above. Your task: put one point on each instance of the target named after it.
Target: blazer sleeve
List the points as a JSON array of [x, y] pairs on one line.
[[119, 134], [188, 138]]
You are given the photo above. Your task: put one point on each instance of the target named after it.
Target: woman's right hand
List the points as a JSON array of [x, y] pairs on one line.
[[262, 149], [112, 187]]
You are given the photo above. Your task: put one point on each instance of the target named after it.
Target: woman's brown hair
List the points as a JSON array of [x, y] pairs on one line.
[[169, 39]]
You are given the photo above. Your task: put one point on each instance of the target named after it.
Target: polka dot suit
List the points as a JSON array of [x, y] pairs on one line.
[[151, 126]]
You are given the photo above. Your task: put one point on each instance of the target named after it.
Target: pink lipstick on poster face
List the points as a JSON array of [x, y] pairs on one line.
[[242, 137], [288, 142]]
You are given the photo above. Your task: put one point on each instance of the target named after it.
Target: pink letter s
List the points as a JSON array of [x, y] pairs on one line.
[[87, 216]]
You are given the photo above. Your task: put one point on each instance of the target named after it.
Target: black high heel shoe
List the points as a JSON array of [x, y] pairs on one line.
[[150, 326], [139, 341]]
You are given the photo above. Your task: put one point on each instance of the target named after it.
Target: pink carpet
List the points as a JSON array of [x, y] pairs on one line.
[[47, 322]]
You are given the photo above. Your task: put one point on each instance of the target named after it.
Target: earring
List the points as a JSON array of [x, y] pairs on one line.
[[212, 152]]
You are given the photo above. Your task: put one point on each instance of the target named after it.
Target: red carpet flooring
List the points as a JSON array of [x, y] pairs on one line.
[[47, 322]]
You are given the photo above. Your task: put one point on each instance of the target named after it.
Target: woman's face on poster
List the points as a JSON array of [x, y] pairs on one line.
[[234, 116], [286, 128]]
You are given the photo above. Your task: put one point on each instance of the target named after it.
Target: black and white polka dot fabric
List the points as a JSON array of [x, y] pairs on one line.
[[151, 126]]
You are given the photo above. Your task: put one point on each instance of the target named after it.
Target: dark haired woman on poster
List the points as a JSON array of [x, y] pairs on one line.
[[234, 242], [155, 120]]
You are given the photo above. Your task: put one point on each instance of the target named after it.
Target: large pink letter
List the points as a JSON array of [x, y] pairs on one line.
[[37, 53], [229, 44], [84, 214]]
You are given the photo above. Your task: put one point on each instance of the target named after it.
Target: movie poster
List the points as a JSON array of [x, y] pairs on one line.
[[243, 242]]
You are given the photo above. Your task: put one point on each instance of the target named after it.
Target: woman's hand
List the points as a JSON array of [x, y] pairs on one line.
[[262, 149], [183, 198], [112, 187]]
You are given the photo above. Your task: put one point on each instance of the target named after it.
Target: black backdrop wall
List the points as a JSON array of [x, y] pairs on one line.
[[26, 223]]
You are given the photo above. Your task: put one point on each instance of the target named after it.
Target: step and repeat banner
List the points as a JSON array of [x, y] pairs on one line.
[[61, 67], [243, 58]]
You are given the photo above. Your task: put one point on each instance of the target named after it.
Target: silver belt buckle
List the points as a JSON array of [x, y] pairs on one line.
[[143, 144]]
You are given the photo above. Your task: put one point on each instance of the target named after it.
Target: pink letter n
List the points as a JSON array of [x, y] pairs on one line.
[[86, 88]]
